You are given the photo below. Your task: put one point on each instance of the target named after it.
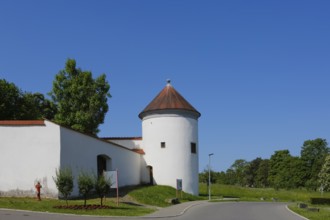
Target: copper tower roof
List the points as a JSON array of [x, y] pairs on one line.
[[169, 99]]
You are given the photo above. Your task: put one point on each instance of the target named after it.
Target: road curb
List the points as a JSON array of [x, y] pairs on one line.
[[177, 215], [296, 213]]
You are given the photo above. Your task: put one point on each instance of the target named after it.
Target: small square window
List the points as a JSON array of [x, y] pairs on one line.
[[162, 144], [193, 148]]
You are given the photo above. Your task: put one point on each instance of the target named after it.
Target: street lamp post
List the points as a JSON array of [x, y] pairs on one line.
[[210, 175]]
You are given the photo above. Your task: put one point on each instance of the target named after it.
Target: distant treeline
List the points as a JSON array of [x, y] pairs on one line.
[[282, 170]]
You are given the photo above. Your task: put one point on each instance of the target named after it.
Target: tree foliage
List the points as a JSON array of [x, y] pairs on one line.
[[18, 105], [10, 97], [86, 182], [261, 178], [81, 100], [64, 182], [282, 170], [102, 186], [313, 153], [251, 171], [204, 176], [324, 175], [239, 168], [279, 173]]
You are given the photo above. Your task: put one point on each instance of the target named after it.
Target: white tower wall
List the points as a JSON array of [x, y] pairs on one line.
[[176, 160]]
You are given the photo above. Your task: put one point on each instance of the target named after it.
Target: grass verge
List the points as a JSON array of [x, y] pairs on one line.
[[148, 195], [47, 205], [323, 214]]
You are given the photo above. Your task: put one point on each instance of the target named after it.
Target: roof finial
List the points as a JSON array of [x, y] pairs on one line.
[[168, 82]]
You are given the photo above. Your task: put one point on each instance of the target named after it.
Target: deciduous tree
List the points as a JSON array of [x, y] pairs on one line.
[[102, 186], [324, 175], [278, 169], [251, 171], [64, 182], [18, 105], [238, 168], [261, 178], [313, 153], [85, 184], [81, 100], [204, 176], [10, 97]]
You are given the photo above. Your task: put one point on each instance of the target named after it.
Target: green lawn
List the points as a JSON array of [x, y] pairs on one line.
[[47, 205], [256, 194], [323, 214], [157, 195], [151, 196]]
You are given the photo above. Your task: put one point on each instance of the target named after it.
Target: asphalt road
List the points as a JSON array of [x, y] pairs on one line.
[[204, 211], [240, 211]]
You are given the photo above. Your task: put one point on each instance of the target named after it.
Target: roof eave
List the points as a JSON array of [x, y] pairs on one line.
[[195, 114]]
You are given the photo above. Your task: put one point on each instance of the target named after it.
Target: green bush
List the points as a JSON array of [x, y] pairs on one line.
[[320, 201], [64, 182], [102, 186], [85, 184]]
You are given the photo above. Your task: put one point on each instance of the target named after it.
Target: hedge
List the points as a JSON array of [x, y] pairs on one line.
[[324, 201]]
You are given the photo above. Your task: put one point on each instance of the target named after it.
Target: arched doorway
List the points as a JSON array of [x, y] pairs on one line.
[[103, 163]]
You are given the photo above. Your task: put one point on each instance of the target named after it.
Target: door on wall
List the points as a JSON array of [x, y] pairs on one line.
[[103, 164], [151, 175]]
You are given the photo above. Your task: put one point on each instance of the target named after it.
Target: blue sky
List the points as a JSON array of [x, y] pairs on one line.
[[258, 71]]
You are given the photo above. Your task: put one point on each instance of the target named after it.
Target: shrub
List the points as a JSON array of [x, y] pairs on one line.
[[320, 201], [64, 182], [85, 184], [102, 186]]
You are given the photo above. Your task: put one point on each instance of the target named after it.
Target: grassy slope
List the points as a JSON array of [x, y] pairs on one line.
[[157, 195]]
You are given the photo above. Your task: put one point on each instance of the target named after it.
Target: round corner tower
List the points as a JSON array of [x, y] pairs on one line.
[[170, 140]]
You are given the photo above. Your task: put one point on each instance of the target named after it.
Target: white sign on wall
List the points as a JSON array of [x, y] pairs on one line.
[[179, 184], [112, 175]]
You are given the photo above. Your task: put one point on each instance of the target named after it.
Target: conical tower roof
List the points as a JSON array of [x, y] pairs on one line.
[[169, 99]]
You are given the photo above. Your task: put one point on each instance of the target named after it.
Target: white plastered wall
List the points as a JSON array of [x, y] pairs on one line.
[[175, 161], [80, 152], [131, 144], [29, 154]]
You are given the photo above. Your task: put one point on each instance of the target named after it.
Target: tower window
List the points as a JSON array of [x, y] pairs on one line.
[[162, 144], [193, 148]]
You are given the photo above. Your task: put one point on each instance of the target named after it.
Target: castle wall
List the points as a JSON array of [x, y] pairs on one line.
[[128, 143], [33, 153], [29, 154], [80, 152]]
